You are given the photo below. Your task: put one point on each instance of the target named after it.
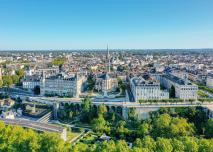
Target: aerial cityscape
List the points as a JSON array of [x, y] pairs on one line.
[[105, 93]]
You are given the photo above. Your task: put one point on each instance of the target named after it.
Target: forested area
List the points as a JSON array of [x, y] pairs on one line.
[[167, 130], [18, 139], [148, 144], [186, 129]]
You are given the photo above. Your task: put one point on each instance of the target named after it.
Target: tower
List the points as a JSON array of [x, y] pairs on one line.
[[186, 78], [1, 81], [42, 83], [43, 76], [0, 74], [108, 58]]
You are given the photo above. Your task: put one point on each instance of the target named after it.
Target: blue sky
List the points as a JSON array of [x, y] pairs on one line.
[[86, 24]]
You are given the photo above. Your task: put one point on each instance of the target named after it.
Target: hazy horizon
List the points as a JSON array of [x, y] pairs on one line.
[[112, 49]]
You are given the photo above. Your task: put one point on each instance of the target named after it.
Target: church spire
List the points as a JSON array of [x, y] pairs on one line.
[[108, 57]]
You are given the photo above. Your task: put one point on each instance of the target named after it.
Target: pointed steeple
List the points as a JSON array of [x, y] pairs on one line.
[[0, 74], [1, 82], [108, 57]]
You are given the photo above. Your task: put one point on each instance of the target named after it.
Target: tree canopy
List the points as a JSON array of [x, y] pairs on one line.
[[59, 61], [18, 139]]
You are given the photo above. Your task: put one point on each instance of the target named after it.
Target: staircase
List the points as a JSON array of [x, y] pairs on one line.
[[46, 118]]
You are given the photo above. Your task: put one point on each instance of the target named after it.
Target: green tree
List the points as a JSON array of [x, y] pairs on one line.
[[166, 126], [106, 146], [80, 147], [180, 127], [59, 61], [136, 149], [138, 143], [121, 146], [161, 126], [15, 79], [122, 86], [209, 128], [140, 101], [132, 115], [149, 143], [7, 80], [121, 129], [18, 139], [1, 82], [205, 145], [163, 145], [86, 104], [70, 114], [100, 125], [144, 129], [178, 145], [87, 114], [102, 109], [20, 73], [190, 144], [51, 142]]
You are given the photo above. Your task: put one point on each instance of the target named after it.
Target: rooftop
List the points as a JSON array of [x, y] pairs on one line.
[[140, 81], [176, 79], [61, 77], [31, 78]]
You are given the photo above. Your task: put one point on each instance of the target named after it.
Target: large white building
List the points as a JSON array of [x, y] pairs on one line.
[[184, 89], [209, 81], [146, 90], [30, 82], [61, 85]]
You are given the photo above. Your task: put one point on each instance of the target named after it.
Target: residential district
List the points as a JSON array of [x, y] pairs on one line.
[[98, 100]]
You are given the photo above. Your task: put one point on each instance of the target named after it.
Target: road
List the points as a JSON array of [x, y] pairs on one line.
[[16, 92], [71, 125], [34, 125]]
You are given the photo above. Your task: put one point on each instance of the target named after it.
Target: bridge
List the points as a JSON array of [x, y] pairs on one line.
[[51, 101], [37, 126], [143, 109]]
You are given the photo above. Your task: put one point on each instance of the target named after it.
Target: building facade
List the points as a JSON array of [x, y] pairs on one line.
[[30, 81], [106, 82], [60, 85], [209, 81], [146, 90], [184, 89]]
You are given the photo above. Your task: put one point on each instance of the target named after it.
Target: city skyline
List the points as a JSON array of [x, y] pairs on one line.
[[106, 75], [38, 25]]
